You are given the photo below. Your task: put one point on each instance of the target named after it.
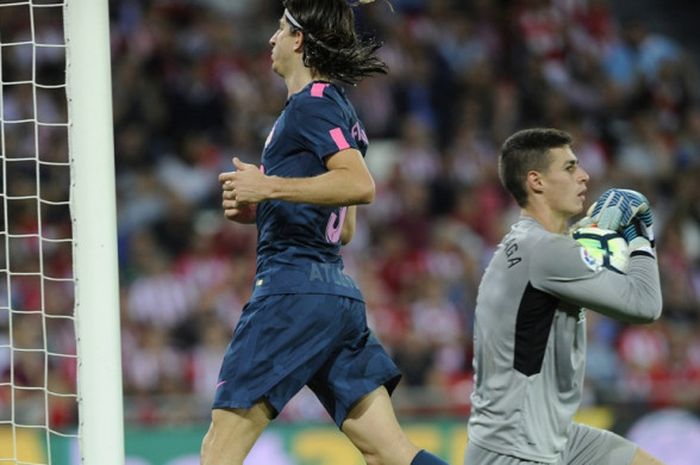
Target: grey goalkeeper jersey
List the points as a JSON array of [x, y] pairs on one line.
[[530, 336]]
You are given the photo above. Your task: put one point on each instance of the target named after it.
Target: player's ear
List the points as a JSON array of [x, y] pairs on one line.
[[298, 41], [534, 181]]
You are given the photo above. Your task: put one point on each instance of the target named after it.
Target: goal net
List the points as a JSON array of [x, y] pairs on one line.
[[57, 247]]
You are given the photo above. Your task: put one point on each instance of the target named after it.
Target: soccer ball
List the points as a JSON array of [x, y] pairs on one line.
[[603, 247]]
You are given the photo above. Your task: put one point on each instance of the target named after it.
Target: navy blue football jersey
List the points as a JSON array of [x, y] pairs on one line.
[[298, 248]]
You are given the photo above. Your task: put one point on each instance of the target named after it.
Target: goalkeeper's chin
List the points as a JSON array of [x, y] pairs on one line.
[[576, 210], [581, 204]]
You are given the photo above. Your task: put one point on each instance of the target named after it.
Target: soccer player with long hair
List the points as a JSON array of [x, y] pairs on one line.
[[305, 323]]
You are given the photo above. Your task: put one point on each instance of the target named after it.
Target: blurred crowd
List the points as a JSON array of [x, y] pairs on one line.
[[193, 87]]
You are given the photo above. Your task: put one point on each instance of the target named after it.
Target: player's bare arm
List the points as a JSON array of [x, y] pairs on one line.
[[347, 182]]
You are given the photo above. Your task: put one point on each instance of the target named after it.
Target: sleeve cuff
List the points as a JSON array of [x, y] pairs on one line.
[[643, 251]]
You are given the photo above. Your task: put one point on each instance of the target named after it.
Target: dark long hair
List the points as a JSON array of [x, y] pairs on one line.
[[331, 45]]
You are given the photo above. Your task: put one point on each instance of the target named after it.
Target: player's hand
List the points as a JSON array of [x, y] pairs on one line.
[[640, 232], [248, 185], [616, 208], [232, 209], [243, 215]]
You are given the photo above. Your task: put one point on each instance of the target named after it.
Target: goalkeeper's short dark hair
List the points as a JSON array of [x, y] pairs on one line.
[[524, 151], [331, 45]]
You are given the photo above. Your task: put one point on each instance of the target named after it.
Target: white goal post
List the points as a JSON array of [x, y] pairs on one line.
[[60, 344], [93, 203]]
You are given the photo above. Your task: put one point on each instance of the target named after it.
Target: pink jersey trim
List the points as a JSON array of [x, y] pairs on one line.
[[339, 138], [317, 89]]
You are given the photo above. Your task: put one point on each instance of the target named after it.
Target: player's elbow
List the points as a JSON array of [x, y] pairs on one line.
[[369, 194], [654, 313], [365, 192], [654, 306], [647, 312]]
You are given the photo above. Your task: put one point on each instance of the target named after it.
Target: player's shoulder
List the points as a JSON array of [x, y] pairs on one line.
[[538, 246], [530, 230], [320, 96], [559, 255], [532, 234]]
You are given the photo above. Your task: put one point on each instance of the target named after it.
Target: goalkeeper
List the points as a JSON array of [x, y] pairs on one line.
[[530, 329]]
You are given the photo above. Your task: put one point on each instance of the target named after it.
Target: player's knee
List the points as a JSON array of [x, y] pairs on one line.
[[399, 452], [372, 458], [205, 451], [211, 452], [376, 453]]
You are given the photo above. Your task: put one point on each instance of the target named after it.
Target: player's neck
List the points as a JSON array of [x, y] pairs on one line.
[[300, 78], [550, 220], [295, 83]]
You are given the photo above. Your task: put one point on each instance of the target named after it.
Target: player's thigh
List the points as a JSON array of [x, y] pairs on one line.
[[233, 432], [372, 427], [280, 342], [587, 445], [643, 458], [355, 367]]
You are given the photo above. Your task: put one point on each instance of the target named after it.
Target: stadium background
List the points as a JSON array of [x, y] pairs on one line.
[[192, 87]]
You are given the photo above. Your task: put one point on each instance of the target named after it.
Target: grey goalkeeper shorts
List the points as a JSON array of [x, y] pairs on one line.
[[585, 446]]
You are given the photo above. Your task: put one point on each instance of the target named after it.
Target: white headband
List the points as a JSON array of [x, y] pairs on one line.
[[291, 19], [296, 23]]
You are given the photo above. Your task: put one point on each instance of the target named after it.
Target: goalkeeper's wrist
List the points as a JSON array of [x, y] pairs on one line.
[[642, 245]]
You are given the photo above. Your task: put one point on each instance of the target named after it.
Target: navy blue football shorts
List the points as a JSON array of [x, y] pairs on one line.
[[283, 342]]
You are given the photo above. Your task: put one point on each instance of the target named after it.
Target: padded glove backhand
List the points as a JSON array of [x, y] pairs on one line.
[[616, 208]]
